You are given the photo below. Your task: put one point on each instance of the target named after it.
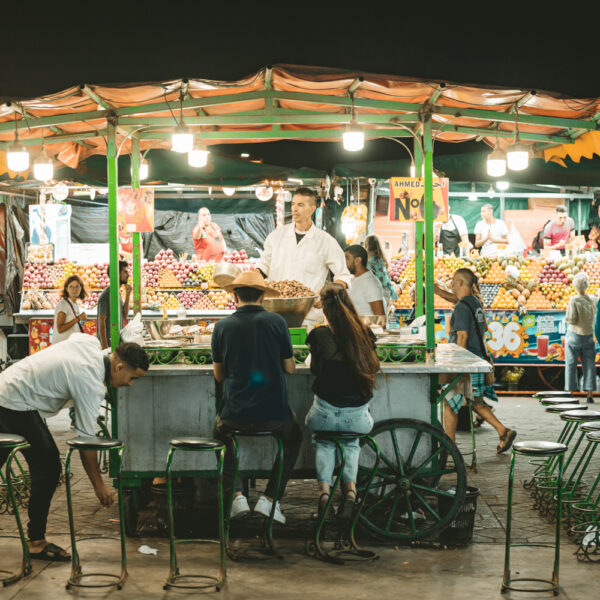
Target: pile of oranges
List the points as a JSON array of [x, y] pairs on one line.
[[504, 300], [495, 274], [537, 301]]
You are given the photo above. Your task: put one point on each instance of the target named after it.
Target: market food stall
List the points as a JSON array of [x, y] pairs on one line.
[[308, 104]]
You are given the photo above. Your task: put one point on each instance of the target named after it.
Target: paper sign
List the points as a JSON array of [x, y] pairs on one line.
[[407, 199], [136, 209]]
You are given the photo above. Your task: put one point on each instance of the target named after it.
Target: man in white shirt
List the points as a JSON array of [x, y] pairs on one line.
[[303, 252], [39, 386], [365, 290], [451, 234], [490, 232]]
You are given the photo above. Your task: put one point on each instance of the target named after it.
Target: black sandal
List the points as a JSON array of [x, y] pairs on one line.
[[346, 509], [506, 441], [52, 553]]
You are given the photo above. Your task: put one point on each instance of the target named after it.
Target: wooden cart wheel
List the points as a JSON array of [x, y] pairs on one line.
[[554, 374], [421, 482]]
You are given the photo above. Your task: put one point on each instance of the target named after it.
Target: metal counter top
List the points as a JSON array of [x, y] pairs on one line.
[[450, 358]]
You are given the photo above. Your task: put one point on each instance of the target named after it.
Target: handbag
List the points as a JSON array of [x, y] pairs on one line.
[[75, 314], [489, 378]]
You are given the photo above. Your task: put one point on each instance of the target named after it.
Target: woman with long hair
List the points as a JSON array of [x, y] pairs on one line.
[[378, 265], [345, 364], [68, 317]]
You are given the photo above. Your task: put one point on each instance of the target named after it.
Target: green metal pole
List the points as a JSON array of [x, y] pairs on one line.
[[428, 149], [418, 158], [137, 238], [112, 180]]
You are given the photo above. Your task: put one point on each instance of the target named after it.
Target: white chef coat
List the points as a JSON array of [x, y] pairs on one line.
[[498, 229], [47, 380], [308, 262]]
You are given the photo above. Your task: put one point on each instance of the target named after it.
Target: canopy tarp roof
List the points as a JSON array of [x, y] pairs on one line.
[[472, 167], [291, 102]]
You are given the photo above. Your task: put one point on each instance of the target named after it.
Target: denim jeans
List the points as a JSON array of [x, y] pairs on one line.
[[323, 416], [584, 347]]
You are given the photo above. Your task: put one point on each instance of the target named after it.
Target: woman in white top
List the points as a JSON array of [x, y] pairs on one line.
[[68, 317], [581, 314]]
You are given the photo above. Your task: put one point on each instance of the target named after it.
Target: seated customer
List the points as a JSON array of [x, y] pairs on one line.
[[252, 351], [344, 361], [365, 289]]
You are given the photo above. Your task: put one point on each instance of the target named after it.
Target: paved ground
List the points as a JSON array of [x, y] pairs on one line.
[[424, 572]]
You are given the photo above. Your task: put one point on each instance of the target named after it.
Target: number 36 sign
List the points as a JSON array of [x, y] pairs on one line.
[[506, 338]]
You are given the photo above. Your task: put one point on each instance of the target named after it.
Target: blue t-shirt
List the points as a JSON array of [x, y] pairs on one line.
[[462, 320], [251, 343]]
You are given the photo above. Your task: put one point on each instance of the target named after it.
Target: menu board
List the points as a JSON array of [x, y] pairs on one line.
[[407, 199]]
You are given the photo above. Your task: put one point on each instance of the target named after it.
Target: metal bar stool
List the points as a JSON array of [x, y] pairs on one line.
[[547, 486], [539, 449], [552, 394], [75, 580], [267, 531], [346, 549], [14, 443], [174, 580], [558, 400]]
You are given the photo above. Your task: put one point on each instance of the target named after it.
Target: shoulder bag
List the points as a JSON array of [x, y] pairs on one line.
[[489, 377], [75, 314]]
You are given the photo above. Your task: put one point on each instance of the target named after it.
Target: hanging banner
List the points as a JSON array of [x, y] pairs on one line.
[[407, 199], [136, 209]]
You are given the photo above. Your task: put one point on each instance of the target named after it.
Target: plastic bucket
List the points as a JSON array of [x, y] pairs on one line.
[[460, 530]]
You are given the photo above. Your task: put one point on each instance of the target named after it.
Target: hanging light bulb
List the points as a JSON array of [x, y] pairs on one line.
[[353, 137], [92, 193], [60, 192], [17, 157], [496, 163], [144, 169], [43, 169], [228, 191], [502, 185], [517, 156], [472, 197], [182, 140], [198, 155]]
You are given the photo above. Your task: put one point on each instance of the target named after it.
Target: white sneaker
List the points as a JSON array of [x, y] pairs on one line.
[[240, 507], [263, 507]]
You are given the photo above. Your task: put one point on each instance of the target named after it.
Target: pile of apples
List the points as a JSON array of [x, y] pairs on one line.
[[236, 257], [150, 272], [397, 267], [189, 298], [552, 274], [36, 275], [166, 259]]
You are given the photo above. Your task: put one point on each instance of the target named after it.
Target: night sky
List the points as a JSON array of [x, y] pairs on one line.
[[44, 51]]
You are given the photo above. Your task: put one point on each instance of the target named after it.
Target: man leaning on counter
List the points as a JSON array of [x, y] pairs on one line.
[[303, 252]]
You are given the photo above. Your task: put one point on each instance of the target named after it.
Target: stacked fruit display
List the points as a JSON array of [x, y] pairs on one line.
[[150, 273], [167, 279], [495, 274], [397, 267], [489, 291], [537, 301], [236, 257], [552, 274], [204, 303], [188, 298], [504, 300], [220, 298], [92, 300], [593, 271], [172, 303]]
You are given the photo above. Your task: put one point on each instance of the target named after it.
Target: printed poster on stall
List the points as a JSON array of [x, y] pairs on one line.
[[407, 199], [537, 338], [136, 210], [40, 332]]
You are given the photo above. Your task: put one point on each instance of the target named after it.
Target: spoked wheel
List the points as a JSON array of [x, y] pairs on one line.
[[420, 485]]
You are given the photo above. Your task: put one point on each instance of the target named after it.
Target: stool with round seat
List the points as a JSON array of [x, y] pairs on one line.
[[96, 444], [546, 466], [556, 401], [12, 444], [533, 449], [346, 549], [552, 394], [267, 531], [570, 487], [175, 578]]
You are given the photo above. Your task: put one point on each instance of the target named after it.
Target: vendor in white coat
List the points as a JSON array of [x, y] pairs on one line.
[[303, 252]]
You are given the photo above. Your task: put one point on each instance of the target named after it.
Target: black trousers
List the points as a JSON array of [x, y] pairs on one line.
[[291, 437], [43, 460]]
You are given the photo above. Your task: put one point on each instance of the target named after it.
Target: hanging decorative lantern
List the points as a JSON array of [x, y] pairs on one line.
[[354, 222], [264, 193]]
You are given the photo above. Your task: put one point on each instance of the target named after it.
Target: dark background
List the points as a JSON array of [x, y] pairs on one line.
[[51, 48]]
